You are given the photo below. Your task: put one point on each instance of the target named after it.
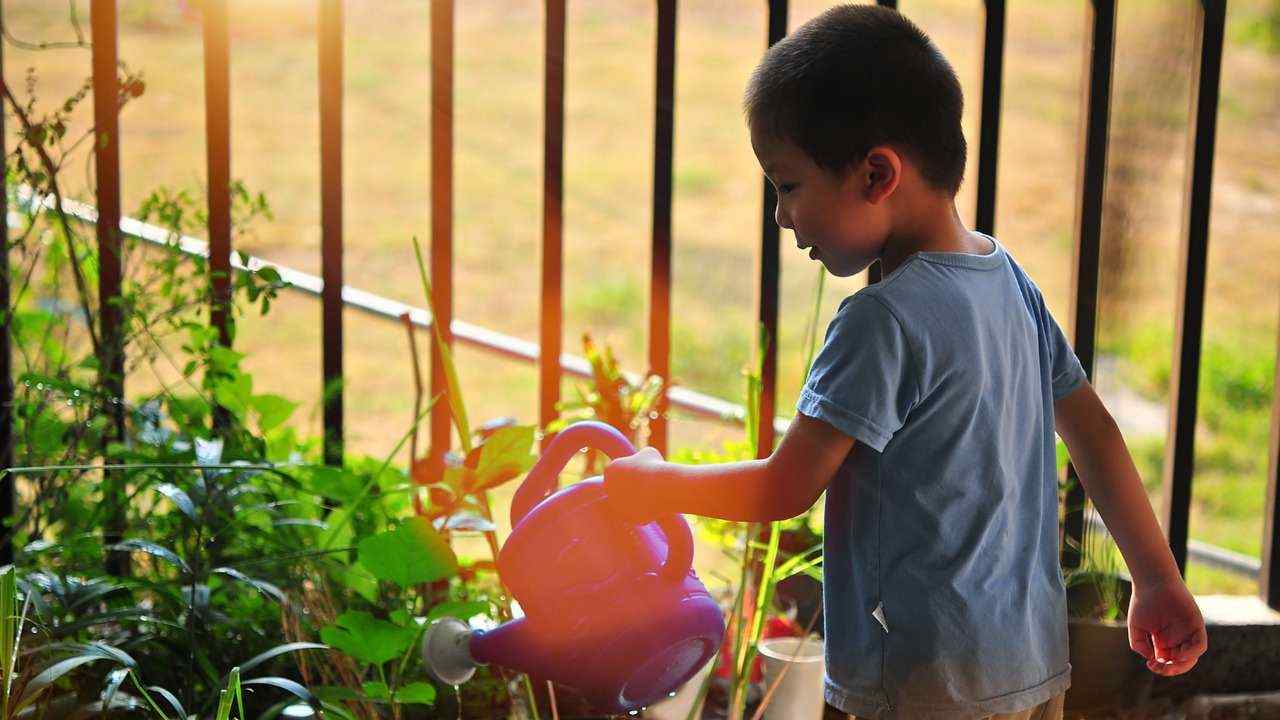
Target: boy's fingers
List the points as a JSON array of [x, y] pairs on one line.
[[1171, 668], [1192, 646], [1140, 642]]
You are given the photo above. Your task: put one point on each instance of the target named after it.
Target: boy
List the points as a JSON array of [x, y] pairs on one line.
[[929, 414]]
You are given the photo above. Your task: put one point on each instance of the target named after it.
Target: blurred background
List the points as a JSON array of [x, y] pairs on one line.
[[717, 199]]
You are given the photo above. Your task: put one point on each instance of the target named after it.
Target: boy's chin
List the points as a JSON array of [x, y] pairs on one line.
[[840, 270]]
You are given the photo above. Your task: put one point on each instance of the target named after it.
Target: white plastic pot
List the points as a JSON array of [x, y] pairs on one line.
[[800, 665], [677, 706]]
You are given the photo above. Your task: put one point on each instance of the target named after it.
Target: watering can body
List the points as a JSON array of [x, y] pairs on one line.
[[611, 608]]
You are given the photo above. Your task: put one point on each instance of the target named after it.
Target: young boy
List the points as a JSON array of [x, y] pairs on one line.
[[930, 412]]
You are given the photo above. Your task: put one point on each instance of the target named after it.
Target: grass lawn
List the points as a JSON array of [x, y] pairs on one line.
[[608, 180]]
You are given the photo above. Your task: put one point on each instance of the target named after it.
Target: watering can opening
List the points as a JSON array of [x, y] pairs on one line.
[[654, 679]]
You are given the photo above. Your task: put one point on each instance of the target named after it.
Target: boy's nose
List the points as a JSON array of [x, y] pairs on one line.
[[780, 216]]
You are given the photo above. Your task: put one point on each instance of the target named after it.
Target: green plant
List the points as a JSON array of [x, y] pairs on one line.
[[612, 397]]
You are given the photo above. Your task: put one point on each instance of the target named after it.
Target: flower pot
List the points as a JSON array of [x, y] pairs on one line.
[[677, 706], [797, 666], [1105, 672]]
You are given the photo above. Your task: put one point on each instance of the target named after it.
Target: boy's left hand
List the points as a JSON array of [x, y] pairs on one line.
[[1165, 627], [625, 481]]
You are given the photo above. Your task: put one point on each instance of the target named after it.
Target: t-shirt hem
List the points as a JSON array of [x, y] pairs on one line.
[[867, 706], [1068, 381]]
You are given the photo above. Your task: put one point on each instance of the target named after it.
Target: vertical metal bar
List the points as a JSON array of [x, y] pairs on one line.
[[106, 129], [989, 128], [1270, 578], [6, 353], [770, 275], [1091, 173], [441, 209], [330, 45], [217, 113], [876, 270], [660, 270], [551, 327], [1184, 380]]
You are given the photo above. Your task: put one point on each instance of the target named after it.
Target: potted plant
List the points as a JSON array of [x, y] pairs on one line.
[[1106, 673]]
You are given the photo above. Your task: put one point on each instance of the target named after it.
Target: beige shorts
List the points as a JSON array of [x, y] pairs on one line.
[[1050, 709]]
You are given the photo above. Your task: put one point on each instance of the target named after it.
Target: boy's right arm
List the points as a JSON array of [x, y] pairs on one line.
[[1165, 625]]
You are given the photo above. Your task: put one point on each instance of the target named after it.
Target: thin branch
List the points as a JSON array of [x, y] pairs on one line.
[[51, 170]]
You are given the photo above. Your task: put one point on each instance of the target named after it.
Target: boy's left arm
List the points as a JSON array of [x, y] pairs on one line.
[[1165, 625], [785, 484]]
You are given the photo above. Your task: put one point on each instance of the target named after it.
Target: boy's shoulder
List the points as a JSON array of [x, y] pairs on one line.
[[932, 289]]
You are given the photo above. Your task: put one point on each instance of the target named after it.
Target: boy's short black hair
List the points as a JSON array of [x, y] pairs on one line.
[[855, 77]]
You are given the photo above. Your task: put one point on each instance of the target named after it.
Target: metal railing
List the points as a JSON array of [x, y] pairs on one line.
[[1090, 186]]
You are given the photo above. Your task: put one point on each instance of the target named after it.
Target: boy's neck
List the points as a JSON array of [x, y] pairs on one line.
[[934, 226]]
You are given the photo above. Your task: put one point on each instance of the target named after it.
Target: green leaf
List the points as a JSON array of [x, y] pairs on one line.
[[169, 698], [366, 638], [50, 675], [412, 553], [505, 455], [269, 274], [234, 394], [453, 394], [360, 581], [417, 692], [288, 685], [462, 609], [376, 690], [179, 498], [280, 650], [273, 410], [153, 549], [261, 586], [224, 359], [331, 482]]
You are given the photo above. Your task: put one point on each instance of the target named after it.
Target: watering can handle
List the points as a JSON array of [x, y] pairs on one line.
[[544, 479]]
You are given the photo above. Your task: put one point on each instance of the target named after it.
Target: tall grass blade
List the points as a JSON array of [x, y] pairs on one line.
[[454, 394]]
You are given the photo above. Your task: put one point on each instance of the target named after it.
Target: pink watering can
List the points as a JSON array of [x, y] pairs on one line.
[[611, 608]]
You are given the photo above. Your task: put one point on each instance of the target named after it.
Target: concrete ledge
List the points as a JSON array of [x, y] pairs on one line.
[[1264, 706]]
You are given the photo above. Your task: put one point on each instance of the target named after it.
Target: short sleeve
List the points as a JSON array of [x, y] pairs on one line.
[[1066, 373], [863, 381]]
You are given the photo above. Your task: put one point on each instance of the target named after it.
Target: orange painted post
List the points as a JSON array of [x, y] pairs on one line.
[[441, 210], [551, 326], [660, 267]]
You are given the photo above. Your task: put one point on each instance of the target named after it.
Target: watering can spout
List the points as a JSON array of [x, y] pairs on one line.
[[452, 651], [515, 645]]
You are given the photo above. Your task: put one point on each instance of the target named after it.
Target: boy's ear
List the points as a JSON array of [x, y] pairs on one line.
[[881, 173]]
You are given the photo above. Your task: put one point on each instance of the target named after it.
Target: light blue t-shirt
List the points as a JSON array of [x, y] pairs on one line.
[[943, 595]]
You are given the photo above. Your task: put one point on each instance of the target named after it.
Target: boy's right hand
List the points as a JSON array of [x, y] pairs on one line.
[[1165, 627], [629, 486]]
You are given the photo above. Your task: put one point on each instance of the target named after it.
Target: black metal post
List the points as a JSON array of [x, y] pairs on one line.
[[989, 129], [1184, 380]]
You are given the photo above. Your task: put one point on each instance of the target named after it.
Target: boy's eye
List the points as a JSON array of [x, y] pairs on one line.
[[786, 188]]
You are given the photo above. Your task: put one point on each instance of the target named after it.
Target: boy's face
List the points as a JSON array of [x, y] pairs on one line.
[[840, 218]]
